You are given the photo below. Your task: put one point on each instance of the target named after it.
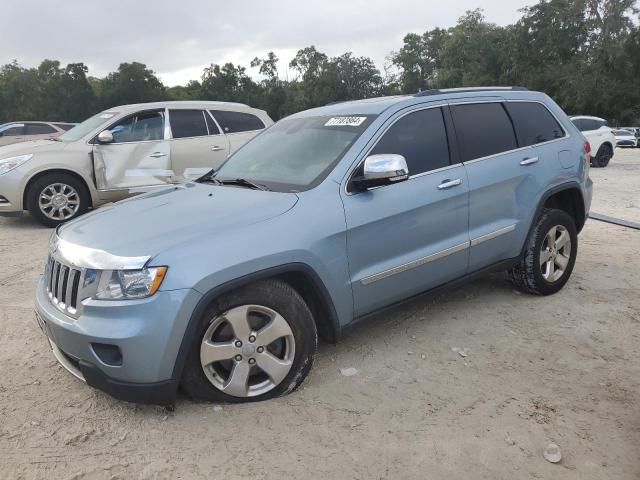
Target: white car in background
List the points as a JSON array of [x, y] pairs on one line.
[[600, 137], [122, 152], [626, 138]]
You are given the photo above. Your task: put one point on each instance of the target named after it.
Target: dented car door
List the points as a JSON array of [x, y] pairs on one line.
[[138, 156]]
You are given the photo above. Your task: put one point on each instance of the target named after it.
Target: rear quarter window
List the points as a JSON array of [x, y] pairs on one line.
[[234, 122], [483, 129], [533, 123]]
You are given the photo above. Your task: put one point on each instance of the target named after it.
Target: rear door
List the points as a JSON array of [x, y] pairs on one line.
[[409, 237], [594, 130], [503, 181], [197, 144], [239, 127], [139, 155]]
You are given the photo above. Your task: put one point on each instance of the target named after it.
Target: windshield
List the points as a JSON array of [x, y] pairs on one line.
[[295, 154], [86, 127], [623, 133]]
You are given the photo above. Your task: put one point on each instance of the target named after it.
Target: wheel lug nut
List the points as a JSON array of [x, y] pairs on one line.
[[252, 361], [238, 358], [238, 343], [252, 338], [260, 349]]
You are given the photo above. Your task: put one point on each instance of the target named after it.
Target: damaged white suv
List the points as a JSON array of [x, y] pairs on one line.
[[121, 152]]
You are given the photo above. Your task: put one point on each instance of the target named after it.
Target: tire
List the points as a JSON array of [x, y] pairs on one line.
[[535, 275], [210, 373], [603, 157], [76, 198]]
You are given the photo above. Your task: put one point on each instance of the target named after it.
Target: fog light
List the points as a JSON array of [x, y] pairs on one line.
[[108, 354]]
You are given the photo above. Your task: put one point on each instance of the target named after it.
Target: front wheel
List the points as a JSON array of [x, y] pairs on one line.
[[549, 256], [55, 198], [255, 343]]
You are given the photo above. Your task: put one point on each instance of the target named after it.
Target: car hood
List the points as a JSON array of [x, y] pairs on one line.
[[150, 224], [31, 146]]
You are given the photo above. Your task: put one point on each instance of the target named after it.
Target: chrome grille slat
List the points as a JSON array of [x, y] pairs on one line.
[[63, 285]]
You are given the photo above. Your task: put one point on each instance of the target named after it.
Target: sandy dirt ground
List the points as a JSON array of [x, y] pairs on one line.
[[563, 369]]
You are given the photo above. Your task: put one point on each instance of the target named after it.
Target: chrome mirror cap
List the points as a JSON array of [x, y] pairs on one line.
[[105, 137], [385, 166]]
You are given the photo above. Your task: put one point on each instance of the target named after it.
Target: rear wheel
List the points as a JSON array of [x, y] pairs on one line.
[[253, 344], [550, 254], [55, 198], [603, 157]]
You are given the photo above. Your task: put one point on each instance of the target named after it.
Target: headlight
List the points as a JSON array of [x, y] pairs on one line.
[[8, 164], [129, 284]]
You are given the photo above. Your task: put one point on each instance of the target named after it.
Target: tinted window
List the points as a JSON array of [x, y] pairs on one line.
[[39, 129], [141, 127], [421, 138], [586, 124], [13, 131], [211, 125], [483, 129], [187, 123], [534, 124], [64, 126], [233, 122]]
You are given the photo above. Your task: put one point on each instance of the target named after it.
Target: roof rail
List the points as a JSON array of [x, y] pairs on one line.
[[426, 93]]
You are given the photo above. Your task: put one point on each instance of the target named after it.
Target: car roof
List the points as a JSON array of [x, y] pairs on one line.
[[375, 106], [184, 104]]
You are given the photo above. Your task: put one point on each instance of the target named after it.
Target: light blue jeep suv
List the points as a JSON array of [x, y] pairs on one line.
[[222, 285]]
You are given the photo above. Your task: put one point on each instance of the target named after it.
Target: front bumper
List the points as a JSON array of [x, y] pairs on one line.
[[148, 333], [11, 184]]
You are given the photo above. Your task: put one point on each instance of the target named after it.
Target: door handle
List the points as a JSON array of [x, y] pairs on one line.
[[216, 148], [158, 155], [449, 184], [529, 161]]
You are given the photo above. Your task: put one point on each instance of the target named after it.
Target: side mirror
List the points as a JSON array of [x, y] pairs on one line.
[[105, 137], [382, 169]]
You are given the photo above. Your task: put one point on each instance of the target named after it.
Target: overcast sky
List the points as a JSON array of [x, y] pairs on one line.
[[177, 38]]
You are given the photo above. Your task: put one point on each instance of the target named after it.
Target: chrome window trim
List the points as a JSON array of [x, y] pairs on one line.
[[415, 263], [492, 235], [86, 257], [519, 149]]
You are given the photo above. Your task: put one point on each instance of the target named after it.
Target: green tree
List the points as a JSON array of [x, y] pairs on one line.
[[131, 83]]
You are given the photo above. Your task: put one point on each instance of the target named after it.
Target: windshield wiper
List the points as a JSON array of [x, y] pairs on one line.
[[241, 182]]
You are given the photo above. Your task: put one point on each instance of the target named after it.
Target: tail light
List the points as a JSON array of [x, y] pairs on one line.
[[587, 152]]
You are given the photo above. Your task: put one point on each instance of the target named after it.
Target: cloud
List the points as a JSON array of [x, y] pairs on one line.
[[178, 38]]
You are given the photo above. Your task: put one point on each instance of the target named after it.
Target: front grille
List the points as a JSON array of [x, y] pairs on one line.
[[63, 283]]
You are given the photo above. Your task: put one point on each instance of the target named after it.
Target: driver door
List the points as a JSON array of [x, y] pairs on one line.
[[139, 155]]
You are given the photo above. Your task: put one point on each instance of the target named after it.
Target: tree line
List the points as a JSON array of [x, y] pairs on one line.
[[583, 53]]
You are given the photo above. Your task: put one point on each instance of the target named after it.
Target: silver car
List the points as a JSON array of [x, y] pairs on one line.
[[121, 152], [16, 132]]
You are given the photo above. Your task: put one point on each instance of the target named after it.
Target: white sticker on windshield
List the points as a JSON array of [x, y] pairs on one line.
[[345, 121], [107, 115]]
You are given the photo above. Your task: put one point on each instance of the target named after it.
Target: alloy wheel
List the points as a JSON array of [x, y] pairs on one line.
[[247, 351], [59, 201], [555, 253]]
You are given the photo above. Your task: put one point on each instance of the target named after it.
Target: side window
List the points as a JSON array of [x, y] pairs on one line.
[[141, 127], [39, 129], [211, 125], [187, 123], [534, 124], [483, 129], [15, 130], [234, 122], [420, 137], [579, 123], [64, 126]]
